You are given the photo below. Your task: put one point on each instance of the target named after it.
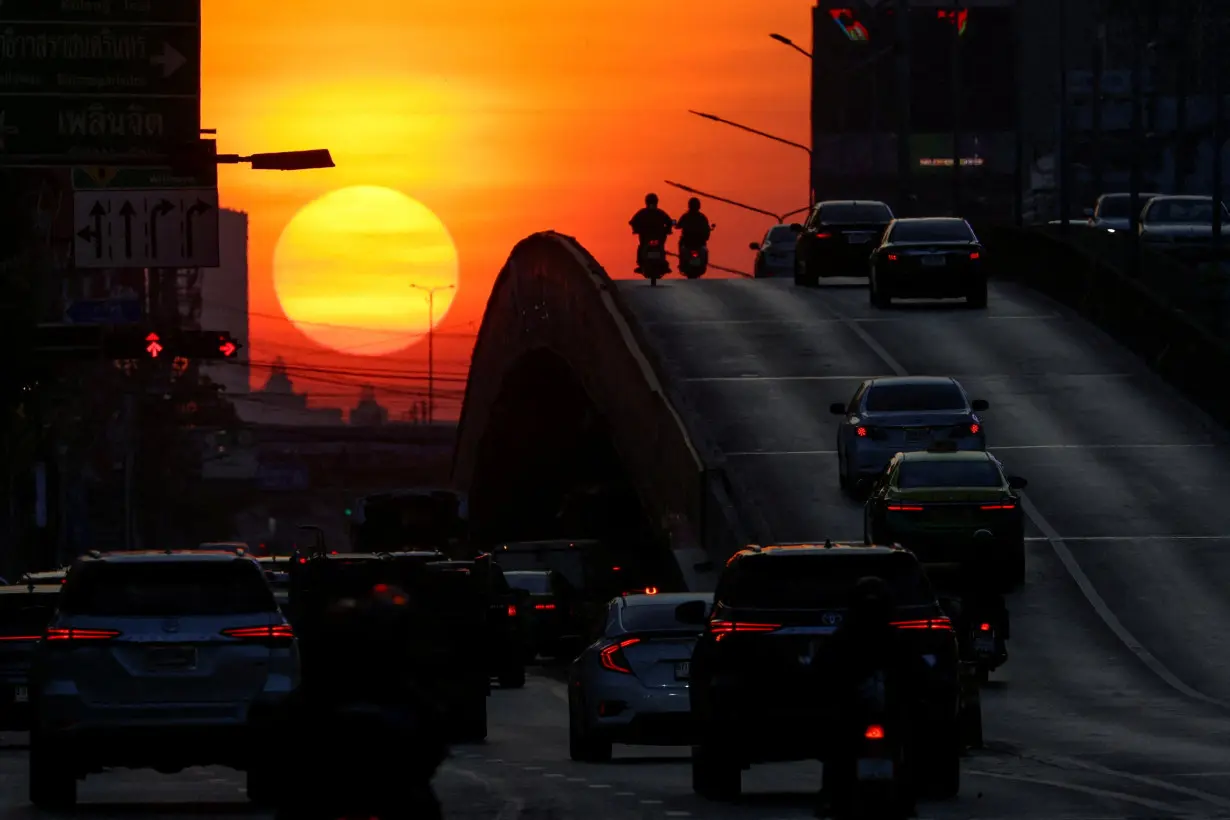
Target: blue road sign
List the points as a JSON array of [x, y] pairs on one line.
[[104, 312]]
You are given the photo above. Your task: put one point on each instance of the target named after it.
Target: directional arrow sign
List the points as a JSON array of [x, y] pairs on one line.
[[227, 348], [167, 228], [153, 346]]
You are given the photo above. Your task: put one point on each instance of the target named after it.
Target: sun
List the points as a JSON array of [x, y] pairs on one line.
[[353, 270]]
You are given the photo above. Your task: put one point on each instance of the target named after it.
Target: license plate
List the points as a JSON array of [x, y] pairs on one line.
[[934, 261], [875, 768], [918, 434], [167, 658], [653, 254], [683, 670], [21, 694], [984, 645]]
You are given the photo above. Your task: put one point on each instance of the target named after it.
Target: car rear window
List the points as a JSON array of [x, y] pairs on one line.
[[781, 235], [947, 473], [168, 589], [651, 617], [932, 230], [1184, 211], [1119, 206], [853, 214], [904, 398], [26, 613], [822, 581], [536, 582]]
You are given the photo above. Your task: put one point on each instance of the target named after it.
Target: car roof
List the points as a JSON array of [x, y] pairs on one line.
[[851, 202], [161, 556], [811, 548], [217, 544], [959, 455], [913, 380], [1142, 195], [28, 589], [912, 219], [645, 599], [1189, 197], [530, 572], [409, 554]]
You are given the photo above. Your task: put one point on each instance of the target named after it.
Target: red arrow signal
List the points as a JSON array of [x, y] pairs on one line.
[[154, 348], [227, 348]]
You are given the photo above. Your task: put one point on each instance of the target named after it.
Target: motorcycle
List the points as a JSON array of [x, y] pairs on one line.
[[694, 260], [651, 259], [873, 785]]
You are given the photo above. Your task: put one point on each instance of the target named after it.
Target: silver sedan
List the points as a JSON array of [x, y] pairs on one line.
[[631, 685]]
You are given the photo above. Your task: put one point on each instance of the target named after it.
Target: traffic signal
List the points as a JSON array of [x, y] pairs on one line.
[[146, 343]]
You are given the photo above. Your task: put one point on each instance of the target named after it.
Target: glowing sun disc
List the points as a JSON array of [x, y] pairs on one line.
[[345, 264]]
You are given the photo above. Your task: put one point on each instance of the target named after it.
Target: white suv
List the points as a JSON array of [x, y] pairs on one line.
[[159, 660]]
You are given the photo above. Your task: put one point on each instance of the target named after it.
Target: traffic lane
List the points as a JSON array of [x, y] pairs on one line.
[[529, 737]]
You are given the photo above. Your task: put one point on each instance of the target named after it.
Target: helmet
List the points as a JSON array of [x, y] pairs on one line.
[[651, 200], [693, 204], [873, 601]]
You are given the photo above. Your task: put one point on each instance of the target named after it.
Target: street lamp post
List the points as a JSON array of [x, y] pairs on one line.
[[283, 160], [431, 344], [759, 133], [784, 40], [735, 203]]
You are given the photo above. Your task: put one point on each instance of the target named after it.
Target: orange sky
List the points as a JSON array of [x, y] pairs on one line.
[[504, 118]]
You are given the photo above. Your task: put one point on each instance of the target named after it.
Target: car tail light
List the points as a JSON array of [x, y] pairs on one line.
[[941, 623], [874, 732], [904, 508], [512, 610], [975, 255], [653, 243], [975, 429], [892, 257], [695, 254], [20, 637], [279, 633], [59, 633], [1003, 506], [825, 235], [544, 606], [720, 629], [613, 656], [985, 627], [862, 432]]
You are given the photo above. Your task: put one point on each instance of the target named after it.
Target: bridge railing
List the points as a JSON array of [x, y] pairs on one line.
[[1166, 312]]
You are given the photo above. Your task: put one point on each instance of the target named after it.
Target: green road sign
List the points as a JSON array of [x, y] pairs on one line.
[[104, 178], [80, 58], [101, 11], [84, 126]]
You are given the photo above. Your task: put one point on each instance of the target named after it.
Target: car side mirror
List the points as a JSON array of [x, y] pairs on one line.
[[795, 227], [692, 613], [713, 226], [1015, 482], [1089, 212], [837, 408], [980, 405], [754, 246]]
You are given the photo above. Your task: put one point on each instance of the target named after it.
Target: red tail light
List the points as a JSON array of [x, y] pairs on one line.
[[825, 235], [613, 656], [653, 243], [874, 732], [720, 629], [975, 429], [985, 627], [57, 633], [862, 432], [20, 637], [975, 255], [274, 632], [892, 257], [695, 254], [941, 623], [512, 610], [544, 606], [904, 508]]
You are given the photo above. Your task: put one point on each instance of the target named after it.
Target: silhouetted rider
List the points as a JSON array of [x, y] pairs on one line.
[[867, 643], [979, 589], [694, 230], [651, 223]]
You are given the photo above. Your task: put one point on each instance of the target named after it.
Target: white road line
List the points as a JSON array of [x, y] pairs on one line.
[[575, 779], [552, 774], [752, 377], [599, 785], [495, 760], [625, 794], [1202, 774], [677, 813], [859, 320], [1155, 805], [651, 802], [1068, 539], [1186, 791], [781, 453], [531, 768], [1064, 554], [1102, 447]]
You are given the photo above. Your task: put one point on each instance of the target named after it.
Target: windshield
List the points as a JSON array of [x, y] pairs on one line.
[[932, 230], [855, 214], [947, 473], [1119, 206], [821, 581], [1183, 211], [781, 235], [919, 398], [651, 617], [536, 582], [168, 589]]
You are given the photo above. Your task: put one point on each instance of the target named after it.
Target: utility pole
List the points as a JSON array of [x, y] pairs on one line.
[[431, 346], [957, 99], [1018, 173], [1219, 133], [1138, 136], [904, 95], [1095, 110], [1065, 130], [1183, 65]]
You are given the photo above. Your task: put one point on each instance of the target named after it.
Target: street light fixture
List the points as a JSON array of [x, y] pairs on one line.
[[283, 160], [779, 217], [431, 346], [766, 135], [784, 40]]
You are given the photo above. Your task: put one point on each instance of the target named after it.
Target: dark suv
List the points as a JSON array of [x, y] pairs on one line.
[[758, 670]]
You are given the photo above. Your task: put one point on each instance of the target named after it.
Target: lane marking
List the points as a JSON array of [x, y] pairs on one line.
[[599, 786], [552, 774], [781, 453], [753, 377], [625, 794], [531, 768], [904, 317], [575, 779], [1145, 780], [1155, 805], [677, 813], [652, 802], [1096, 538], [512, 806], [1064, 554], [1014, 447]]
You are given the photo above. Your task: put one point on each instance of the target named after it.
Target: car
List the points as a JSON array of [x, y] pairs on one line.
[[25, 611], [933, 502], [892, 414], [1113, 212], [631, 684], [277, 570], [50, 576], [553, 613], [928, 258], [837, 238], [507, 619], [160, 660], [1180, 225], [754, 689], [774, 253]]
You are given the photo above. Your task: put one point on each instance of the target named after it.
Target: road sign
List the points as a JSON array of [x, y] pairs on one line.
[[146, 229], [104, 312], [81, 58], [87, 79], [104, 178], [153, 345]]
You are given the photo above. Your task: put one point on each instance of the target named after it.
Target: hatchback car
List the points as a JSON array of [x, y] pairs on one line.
[[889, 415], [774, 253], [161, 660], [631, 684]]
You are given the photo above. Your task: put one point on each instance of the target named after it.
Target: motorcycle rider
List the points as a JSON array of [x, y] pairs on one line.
[[651, 223], [867, 644], [694, 230], [359, 706], [981, 598]]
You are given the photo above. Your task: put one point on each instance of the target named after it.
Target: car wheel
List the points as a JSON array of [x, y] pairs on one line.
[[52, 781], [938, 770], [512, 677], [583, 746], [977, 298], [843, 478], [714, 775], [971, 721], [878, 298]]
